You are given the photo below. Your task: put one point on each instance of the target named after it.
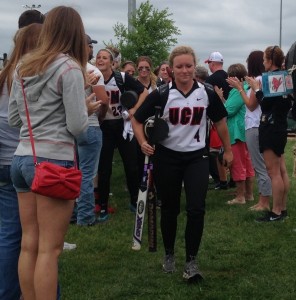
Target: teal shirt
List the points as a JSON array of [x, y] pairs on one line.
[[236, 110]]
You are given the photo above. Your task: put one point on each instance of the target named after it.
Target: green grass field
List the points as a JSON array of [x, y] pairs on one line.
[[240, 259]]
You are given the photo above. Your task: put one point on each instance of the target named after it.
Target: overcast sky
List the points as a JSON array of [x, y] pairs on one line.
[[233, 27]]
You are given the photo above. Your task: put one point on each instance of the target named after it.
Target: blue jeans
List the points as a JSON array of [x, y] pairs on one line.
[[89, 150], [10, 237]]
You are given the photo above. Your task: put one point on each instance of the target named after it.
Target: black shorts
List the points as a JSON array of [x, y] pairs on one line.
[[272, 137]]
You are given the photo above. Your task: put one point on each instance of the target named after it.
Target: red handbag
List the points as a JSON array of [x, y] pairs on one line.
[[55, 181], [215, 141], [52, 180]]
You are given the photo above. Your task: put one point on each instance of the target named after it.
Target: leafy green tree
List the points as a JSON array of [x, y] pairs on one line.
[[153, 34]]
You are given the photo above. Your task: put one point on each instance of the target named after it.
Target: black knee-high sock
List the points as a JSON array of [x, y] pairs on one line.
[[168, 224], [193, 235]]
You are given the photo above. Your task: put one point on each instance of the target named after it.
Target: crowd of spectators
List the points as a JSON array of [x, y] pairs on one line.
[[233, 134]]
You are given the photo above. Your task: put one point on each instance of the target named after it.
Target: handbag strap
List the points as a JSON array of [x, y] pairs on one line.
[[29, 123], [31, 132]]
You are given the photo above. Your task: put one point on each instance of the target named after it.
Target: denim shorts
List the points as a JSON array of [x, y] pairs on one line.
[[23, 170]]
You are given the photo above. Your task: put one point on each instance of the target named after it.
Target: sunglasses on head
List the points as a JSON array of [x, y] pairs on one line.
[[143, 68]]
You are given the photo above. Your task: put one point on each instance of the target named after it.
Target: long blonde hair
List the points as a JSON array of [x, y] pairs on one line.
[[26, 40], [62, 32]]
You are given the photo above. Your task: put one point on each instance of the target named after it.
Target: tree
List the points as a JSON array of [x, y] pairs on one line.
[[153, 34]]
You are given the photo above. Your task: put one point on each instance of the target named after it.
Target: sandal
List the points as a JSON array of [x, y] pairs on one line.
[[235, 201]]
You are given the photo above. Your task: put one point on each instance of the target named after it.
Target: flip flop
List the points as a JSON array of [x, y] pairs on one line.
[[235, 201]]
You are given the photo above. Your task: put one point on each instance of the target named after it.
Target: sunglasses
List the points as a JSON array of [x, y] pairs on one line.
[[143, 68]]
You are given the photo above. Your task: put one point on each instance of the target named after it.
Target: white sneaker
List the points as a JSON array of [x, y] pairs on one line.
[[68, 246]]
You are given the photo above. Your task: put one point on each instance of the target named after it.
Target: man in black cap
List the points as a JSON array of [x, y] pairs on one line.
[[90, 42]]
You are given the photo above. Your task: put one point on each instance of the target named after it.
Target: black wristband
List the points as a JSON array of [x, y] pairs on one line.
[[259, 95]]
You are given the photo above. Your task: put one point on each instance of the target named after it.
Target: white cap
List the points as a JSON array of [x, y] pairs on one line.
[[215, 56]]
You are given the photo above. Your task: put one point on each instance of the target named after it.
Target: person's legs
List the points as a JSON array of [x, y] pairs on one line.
[[29, 249], [222, 175], [43, 226], [250, 174], [105, 164], [195, 183], [238, 173], [263, 203], [128, 153], [89, 154], [10, 237], [222, 171], [263, 180], [240, 192], [168, 177], [22, 173], [249, 183], [286, 182], [273, 165], [53, 217], [213, 166]]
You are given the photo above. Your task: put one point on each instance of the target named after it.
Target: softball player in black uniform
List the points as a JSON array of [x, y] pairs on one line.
[[112, 128], [273, 136], [183, 156]]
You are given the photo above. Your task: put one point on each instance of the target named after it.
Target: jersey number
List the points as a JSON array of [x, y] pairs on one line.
[[117, 110]]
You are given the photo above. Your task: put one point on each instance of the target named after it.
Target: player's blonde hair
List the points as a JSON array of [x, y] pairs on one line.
[[180, 50]]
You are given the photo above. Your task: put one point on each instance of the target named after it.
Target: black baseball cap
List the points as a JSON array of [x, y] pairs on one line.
[[90, 41]]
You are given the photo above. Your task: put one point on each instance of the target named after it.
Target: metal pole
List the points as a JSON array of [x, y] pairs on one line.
[[280, 44], [131, 10]]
